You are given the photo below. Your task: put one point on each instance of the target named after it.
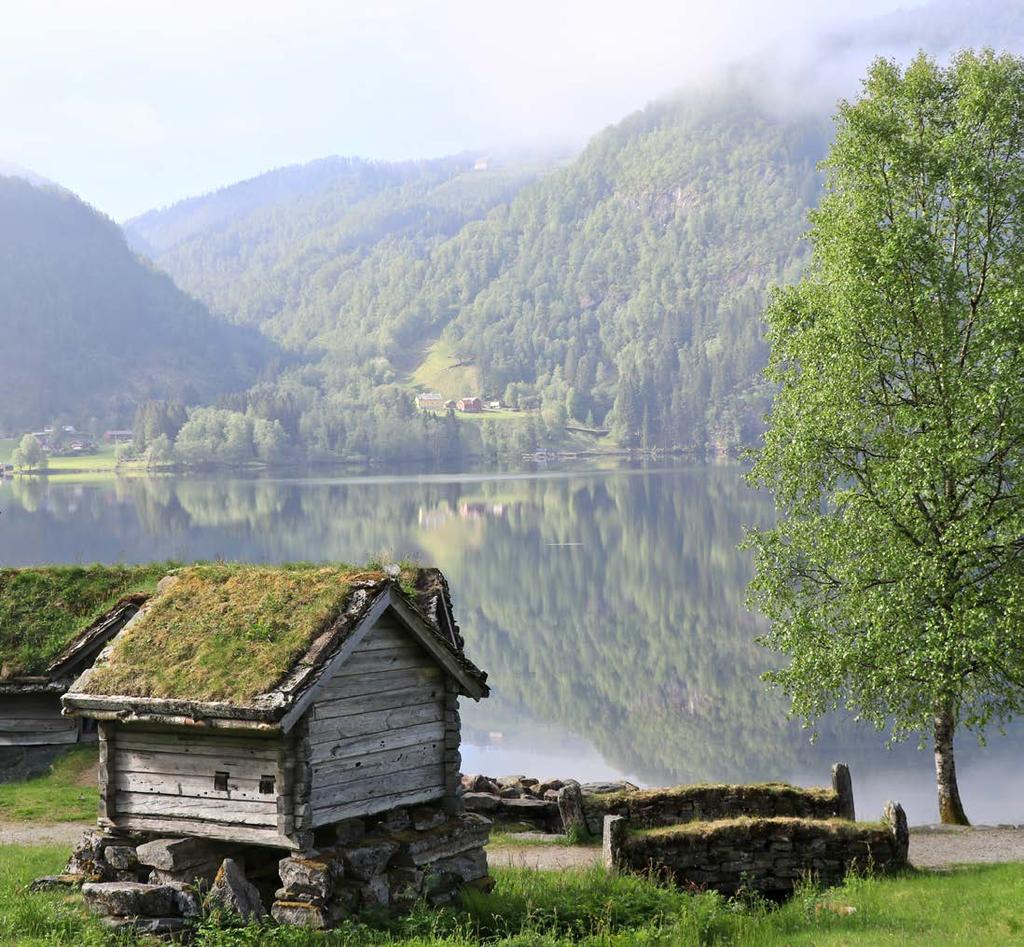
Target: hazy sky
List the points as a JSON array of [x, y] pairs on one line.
[[138, 103]]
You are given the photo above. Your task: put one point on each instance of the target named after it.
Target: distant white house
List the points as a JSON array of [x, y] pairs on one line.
[[432, 401], [481, 164]]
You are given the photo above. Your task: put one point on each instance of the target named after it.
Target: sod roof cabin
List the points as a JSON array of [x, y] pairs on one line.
[[258, 704], [53, 623]]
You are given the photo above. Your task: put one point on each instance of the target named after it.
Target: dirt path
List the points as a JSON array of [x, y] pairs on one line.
[[930, 847], [34, 833]]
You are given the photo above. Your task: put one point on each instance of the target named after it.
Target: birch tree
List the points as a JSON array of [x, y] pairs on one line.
[[893, 580]]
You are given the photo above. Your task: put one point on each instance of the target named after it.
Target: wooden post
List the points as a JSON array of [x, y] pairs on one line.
[[105, 771], [842, 784]]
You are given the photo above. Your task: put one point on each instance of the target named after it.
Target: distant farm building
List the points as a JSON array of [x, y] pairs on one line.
[[53, 623], [433, 401], [470, 405], [118, 437], [481, 164]]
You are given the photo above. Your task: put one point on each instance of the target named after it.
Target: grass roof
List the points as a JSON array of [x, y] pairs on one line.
[[43, 610], [228, 632], [703, 829]]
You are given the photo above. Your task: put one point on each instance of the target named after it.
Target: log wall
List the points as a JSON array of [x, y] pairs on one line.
[[35, 720], [165, 780], [375, 738]]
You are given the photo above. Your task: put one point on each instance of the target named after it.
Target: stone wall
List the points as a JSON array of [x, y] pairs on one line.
[[566, 805], [382, 862], [766, 855], [651, 808]]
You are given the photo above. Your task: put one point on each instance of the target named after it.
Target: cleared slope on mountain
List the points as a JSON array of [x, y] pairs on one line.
[[88, 330]]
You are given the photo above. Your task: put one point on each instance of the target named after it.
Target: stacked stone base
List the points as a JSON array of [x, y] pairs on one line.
[[413, 854], [384, 863]]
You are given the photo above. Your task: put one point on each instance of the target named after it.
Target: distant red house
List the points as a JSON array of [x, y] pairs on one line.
[[470, 405]]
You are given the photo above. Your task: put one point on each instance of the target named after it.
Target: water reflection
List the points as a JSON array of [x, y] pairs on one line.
[[607, 607]]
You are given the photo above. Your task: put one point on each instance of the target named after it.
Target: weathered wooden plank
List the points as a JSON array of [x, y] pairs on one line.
[[199, 745], [370, 703], [374, 743], [328, 797], [53, 724], [370, 806], [39, 739], [378, 765], [227, 832], [376, 662], [189, 807], [388, 634], [381, 682], [200, 786], [172, 764], [342, 728]]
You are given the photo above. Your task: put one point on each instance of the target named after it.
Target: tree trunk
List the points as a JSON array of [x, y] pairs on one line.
[[951, 809]]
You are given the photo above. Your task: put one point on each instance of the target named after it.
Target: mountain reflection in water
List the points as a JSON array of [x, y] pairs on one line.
[[606, 605]]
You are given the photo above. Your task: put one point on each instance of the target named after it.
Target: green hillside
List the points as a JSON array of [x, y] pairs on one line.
[[620, 290], [88, 330]]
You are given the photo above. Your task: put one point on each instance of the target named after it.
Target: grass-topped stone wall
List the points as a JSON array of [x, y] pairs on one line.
[[652, 808], [765, 855]]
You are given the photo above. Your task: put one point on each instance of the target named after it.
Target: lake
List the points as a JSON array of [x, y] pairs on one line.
[[607, 606]]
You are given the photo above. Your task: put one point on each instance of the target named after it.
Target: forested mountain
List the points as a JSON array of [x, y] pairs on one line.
[[88, 330], [621, 289]]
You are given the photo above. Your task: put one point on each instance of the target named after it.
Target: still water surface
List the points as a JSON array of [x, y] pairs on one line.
[[606, 605]]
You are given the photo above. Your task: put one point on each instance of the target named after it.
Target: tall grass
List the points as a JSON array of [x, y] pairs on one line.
[[980, 905]]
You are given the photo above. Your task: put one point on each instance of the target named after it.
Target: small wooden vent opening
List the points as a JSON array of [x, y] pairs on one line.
[[267, 785], [220, 781]]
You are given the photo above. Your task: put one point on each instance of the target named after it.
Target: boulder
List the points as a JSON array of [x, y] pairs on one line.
[[467, 866], [129, 899], [299, 914], [376, 892], [121, 857], [186, 899], [235, 893], [178, 854], [602, 788], [480, 802], [202, 874], [87, 857], [155, 926], [312, 876], [368, 858], [57, 882], [474, 782], [506, 782]]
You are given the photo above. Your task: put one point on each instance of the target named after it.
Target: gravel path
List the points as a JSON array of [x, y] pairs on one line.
[[34, 833], [939, 846], [932, 846]]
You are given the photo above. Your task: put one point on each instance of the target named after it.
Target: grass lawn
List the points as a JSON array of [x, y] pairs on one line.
[[981, 905], [67, 793], [440, 371]]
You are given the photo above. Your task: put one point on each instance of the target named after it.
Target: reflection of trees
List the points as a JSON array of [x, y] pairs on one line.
[[637, 638]]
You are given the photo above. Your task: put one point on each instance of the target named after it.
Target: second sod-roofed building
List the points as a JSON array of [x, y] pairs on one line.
[[54, 620], [258, 705]]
